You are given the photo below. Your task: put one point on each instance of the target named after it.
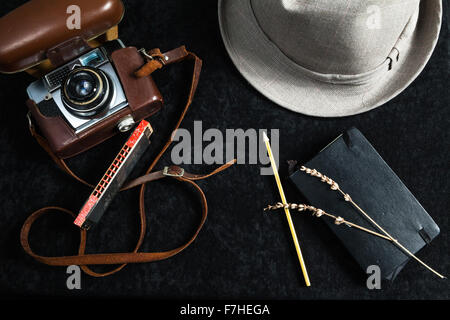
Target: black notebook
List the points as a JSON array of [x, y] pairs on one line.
[[360, 171]]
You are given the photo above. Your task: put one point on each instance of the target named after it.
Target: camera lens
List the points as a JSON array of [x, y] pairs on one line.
[[84, 88], [86, 91]]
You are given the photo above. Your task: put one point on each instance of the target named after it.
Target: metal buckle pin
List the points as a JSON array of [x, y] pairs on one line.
[[30, 122], [150, 57]]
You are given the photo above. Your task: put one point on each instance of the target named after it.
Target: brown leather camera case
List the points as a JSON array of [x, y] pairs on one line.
[[144, 100], [38, 31]]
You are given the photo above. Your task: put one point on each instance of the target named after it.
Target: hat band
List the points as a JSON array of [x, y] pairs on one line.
[[355, 79]]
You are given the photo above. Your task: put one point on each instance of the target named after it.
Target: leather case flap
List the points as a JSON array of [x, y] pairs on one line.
[[30, 31], [143, 96]]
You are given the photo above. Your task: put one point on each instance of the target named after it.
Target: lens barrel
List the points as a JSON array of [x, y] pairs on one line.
[[86, 91]]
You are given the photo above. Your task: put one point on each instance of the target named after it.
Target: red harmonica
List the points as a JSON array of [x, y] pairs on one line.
[[115, 177]]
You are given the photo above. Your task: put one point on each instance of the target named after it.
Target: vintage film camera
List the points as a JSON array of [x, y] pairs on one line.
[[86, 89]]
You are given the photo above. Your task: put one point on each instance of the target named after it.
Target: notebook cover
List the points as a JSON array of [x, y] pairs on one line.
[[360, 171]]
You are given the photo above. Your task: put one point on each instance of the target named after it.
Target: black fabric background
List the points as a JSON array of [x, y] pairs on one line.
[[241, 252]]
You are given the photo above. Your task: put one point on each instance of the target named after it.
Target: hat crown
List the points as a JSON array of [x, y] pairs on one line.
[[335, 36]]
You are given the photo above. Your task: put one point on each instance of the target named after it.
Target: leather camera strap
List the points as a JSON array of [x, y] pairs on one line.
[[156, 60]]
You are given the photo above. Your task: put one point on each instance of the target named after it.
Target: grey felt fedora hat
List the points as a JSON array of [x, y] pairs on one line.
[[330, 58]]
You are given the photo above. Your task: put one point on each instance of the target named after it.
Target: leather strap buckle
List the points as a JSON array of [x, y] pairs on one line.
[[160, 57], [173, 171]]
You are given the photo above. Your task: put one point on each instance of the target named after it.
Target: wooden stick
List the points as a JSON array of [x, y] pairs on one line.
[[286, 210]]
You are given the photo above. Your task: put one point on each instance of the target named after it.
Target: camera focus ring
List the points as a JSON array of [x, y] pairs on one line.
[[86, 91]]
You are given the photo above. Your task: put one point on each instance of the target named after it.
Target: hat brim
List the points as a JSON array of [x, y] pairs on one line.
[[278, 78]]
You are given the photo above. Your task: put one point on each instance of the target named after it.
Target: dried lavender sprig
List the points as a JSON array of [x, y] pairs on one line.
[[319, 213], [335, 187]]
